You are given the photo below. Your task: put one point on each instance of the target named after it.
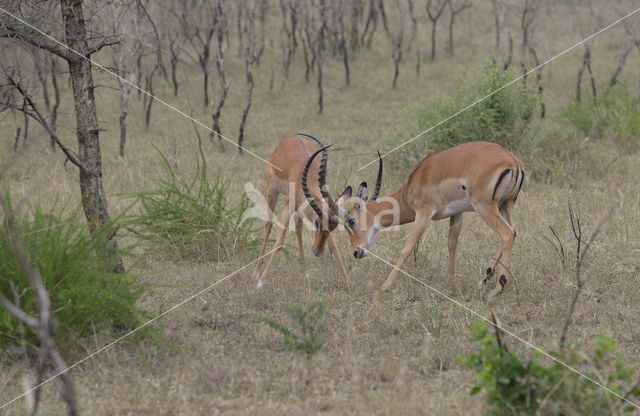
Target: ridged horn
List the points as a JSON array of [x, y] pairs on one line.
[[376, 191], [322, 176], [305, 186]]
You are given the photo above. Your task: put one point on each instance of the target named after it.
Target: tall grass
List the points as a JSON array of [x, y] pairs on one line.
[[85, 295], [193, 219], [616, 114]]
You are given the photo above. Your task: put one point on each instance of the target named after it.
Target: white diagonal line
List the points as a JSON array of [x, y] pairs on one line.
[[503, 87], [161, 101], [524, 341], [150, 321]]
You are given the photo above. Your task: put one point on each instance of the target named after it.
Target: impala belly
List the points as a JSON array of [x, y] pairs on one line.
[[452, 208], [450, 197]]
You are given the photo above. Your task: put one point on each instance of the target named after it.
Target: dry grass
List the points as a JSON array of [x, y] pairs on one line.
[[393, 357]]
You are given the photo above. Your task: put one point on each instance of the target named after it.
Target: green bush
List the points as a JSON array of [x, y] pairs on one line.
[[501, 118], [615, 114], [85, 295], [307, 340], [516, 386], [193, 220]]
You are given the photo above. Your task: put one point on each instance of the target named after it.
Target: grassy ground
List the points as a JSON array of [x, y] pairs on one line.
[[397, 356]]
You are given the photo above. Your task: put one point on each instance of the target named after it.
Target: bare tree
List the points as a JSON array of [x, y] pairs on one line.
[[53, 116], [371, 24], [125, 90], [586, 64], [414, 24], [395, 36], [175, 50], [434, 12], [198, 31], [89, 157], [320, 45], [289, 10], [527, 48], [221, 30], [250, 57], [625, 49], [454, 10], [498, 19], [582, 248]]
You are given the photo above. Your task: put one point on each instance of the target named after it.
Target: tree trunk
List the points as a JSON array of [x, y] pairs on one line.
[[56, 100], [93, 197]]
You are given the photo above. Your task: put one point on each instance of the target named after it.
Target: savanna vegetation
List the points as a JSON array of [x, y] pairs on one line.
[[118, 205]]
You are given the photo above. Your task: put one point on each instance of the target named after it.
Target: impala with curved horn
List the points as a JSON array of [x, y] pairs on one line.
[[302, 181], [476, 176]]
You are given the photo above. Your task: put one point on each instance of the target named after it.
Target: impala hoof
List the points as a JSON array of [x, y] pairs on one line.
[[503, 280], [488, 274]]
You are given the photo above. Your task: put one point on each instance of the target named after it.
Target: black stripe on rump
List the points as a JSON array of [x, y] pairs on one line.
[[502, 175], [521, 182]]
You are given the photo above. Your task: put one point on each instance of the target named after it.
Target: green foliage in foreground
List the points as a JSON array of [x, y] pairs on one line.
[[193, 220], [500, 118], [85, 295], [515, 386], [307, 339], [616, 114]]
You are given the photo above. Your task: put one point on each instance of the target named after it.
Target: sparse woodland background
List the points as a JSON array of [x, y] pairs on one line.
[[126, 207]]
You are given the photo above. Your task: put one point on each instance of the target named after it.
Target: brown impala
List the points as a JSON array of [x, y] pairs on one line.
[[302, 181], [476, 176]]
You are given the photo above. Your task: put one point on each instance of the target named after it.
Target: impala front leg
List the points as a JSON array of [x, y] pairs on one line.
[[336, 254], [303, 263], [455, 224], [419, 225], [284, 223]]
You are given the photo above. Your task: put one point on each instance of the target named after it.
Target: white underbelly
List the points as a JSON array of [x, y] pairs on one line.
[[452, 208]]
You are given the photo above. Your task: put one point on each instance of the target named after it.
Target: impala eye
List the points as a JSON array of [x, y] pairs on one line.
[[351, 223]]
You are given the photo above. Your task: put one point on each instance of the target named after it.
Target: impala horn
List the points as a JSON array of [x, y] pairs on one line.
[[376, 191], [305, 186]]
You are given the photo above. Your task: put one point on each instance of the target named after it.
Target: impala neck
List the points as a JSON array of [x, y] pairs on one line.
[[392, 209]]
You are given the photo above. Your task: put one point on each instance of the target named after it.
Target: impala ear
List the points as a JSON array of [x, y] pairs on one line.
[[363, 193], [346, 194]]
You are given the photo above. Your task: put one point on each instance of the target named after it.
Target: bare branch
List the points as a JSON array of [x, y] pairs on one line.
[[8, 31], [17, 312], [101, 45], [36, 115]]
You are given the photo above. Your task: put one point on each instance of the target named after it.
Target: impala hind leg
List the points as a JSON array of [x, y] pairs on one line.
[[419, 225], [284, 224], [455, 225], [502, 262]]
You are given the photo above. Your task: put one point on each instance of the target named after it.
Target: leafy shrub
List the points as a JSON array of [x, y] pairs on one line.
[[193, 220], [307, 340], [527, 387], [615, 114], [85, 295], [501, 118]]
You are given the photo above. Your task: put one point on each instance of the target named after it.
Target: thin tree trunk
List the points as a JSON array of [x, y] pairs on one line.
[[92, 192], [56, 100]]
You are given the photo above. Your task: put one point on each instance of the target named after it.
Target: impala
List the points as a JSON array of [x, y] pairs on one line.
[[476, 176], [300, 180]]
